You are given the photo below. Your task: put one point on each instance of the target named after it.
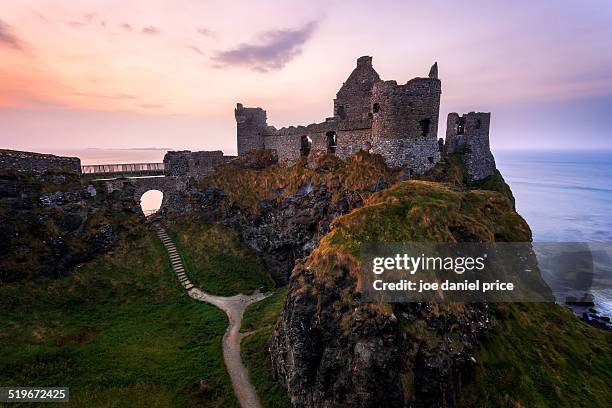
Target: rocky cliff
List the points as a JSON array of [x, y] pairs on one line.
[[51, 221], [282, 211], [331, 349]]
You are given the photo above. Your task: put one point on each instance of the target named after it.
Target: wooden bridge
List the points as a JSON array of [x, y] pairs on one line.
[[111, 171]]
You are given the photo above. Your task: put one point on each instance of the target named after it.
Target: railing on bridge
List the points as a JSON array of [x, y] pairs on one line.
[[123, 170]]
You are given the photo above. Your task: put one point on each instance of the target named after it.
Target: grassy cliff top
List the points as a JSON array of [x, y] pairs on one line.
[[246, 187], [535, 355]]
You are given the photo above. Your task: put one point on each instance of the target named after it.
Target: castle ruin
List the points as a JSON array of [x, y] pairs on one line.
[[399, 122]]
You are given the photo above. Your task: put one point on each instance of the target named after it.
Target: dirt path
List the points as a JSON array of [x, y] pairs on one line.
[[234, 307]]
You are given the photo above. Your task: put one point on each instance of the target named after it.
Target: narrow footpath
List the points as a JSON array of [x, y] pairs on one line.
[[234, 307]]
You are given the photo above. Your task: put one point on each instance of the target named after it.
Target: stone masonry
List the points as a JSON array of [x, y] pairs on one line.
[[400, 122], [468, 136], [37, 163], [193, 164]]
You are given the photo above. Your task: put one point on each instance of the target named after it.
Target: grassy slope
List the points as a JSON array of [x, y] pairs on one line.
[[118, 331], [217, 262], [247, 187], [541, 355], [259, 319], [537, 355]]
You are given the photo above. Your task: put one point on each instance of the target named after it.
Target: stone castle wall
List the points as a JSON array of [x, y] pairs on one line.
[[400, 122], [353, 98], [37, 162], [468, 136], [251, 125], [193, 164]]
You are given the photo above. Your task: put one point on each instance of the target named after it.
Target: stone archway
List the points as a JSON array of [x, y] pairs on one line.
[[170, 187], [151, 202]]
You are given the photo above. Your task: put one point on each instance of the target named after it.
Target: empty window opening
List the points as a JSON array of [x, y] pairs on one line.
[[331, 142], [425, 126], [430, 160], [151, 202], [341, 112], [376, 107], [305, 145], [478, 123], [460, 128]]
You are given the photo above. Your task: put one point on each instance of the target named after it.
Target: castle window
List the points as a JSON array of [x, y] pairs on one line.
[[460, 128], [331, 142], [376, 107], [305, 145], [430, 160], [425, 125], [478, 123], [341, 112]]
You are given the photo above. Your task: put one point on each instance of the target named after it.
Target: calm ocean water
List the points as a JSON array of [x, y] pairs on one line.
[[565, 196]]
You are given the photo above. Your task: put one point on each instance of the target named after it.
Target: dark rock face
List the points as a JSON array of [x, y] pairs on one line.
[[280, 231], [327, 358], [330, 350], [49, 222]]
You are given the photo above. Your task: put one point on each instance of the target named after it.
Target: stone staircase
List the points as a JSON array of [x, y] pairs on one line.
[[234, 307], [175, 258]]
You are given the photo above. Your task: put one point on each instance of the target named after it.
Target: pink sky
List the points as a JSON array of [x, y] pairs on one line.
[[169, 73]]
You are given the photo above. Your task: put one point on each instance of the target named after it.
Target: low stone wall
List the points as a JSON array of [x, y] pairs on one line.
[[193, 164], [37, 163]]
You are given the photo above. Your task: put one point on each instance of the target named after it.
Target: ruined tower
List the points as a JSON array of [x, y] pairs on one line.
[[399, 122], [353, 98], [405, 121], [468, 136], [251, 125]]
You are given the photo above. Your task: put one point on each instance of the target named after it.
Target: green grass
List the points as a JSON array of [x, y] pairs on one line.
[[260, 319], [118, 331], [216, 261], [541, 355], [537, 355]]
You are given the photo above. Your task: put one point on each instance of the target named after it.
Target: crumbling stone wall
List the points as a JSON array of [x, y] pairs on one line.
[[251, 125], [353, 98], [468, 135], [14, 160], [405, 123], [398, 121], [171, 188], [193, 164]]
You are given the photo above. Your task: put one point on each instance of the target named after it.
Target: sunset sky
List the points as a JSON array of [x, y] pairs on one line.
[[140, 73]]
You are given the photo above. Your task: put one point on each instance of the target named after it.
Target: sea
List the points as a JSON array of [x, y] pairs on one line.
[[565, 196]]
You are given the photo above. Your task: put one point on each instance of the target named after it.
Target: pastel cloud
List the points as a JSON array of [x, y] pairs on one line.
[[205, 32], [273, 50], [7, 37], [151, 30]]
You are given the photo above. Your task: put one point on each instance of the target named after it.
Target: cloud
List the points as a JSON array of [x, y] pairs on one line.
[[76, 24], [106, 96], [205, 32], [272, 51], [7, 37], [196, 49], [150, 30], [126, 27], [151, 106]]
